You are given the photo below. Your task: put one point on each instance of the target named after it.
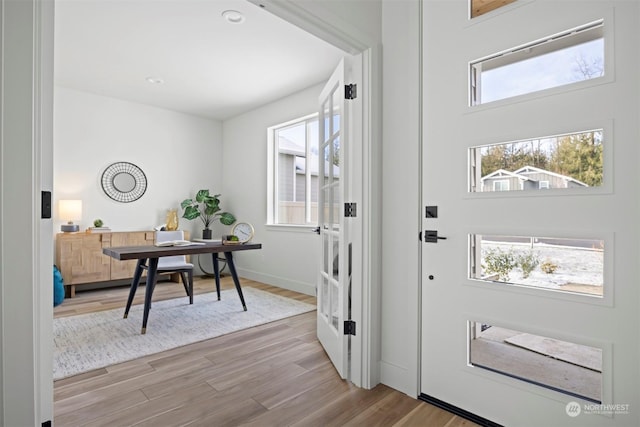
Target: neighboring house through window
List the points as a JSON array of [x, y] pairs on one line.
[[293, 172]]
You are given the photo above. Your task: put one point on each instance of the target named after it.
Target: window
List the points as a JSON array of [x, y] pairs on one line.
[[550, 263], [293, 172], [502, 185], [567, 367], [561, 59], [559, 162]]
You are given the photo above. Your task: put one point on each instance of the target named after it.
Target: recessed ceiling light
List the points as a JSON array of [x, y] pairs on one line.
[[154, 80], [233, 16]]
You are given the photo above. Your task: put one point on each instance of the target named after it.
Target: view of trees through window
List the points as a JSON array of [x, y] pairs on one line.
[[562, 161]]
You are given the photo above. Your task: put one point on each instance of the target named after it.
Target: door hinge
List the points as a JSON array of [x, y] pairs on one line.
[[349, 327], [349, 210], [350, 91]]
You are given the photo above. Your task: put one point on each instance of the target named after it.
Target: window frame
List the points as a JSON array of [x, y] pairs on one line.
[[273, 174]]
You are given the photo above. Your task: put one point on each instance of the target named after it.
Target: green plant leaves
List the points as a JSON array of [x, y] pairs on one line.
[[227, 219], [207, 208]]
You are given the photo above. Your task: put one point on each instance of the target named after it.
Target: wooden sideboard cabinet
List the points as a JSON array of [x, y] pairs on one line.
[[80, 259]]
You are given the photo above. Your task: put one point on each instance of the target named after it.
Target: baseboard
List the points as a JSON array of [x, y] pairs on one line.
[[458, 411], [281, 282]]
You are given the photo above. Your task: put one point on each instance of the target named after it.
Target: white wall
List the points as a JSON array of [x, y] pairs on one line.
[[400, 192], [178, 153], [288, 257]]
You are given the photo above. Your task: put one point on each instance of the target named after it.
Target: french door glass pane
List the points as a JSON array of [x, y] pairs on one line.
[[324, 302], [335, 289]]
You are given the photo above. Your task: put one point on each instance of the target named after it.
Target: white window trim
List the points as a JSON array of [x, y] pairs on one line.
[[272, 177]]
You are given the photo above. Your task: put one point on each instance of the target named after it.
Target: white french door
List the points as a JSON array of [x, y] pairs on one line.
[[510, 277], [334, 185]]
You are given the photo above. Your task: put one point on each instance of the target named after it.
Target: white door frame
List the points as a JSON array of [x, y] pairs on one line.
[[365, 296], [26, 240]]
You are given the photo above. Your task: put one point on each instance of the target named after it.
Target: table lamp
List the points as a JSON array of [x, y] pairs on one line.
[[70, 210]]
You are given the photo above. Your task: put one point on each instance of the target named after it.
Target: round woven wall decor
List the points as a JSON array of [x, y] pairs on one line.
[[124, 182]]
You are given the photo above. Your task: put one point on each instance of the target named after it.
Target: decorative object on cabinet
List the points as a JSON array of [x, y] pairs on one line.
[[124, 182], [70, 210], [80, 259], [172, 220], [207, 208]]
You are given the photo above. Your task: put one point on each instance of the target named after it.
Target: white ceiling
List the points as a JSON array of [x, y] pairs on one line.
[[210, 68]]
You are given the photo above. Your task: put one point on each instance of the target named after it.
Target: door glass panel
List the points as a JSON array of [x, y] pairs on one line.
[[328, 159], [336, 259], [328, 194], [327, 129], [324, 303], [573, 160], [325, 255], [556, 264], [336, 157], [557, 60], [335, 307], [567, 367]]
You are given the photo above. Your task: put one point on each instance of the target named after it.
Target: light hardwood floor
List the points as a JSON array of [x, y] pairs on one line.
[[271, 375]]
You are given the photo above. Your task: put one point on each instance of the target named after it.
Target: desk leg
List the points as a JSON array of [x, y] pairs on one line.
[[216, 272], [232, 269], [134, 285], [148, 292]]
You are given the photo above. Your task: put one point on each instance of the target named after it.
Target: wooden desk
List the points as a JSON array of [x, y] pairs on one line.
[[152, 253]]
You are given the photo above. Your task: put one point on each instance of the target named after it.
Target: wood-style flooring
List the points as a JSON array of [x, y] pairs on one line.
[[271, 375]]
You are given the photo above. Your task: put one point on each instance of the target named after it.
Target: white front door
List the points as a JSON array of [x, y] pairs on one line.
[[335, 189], [530, 273]]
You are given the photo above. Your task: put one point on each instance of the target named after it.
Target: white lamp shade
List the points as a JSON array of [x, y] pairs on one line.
[[70, 210]]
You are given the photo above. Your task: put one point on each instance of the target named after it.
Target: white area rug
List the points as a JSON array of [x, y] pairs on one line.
[[95, 340]]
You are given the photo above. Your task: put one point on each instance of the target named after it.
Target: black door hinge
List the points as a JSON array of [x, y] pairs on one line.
[[349, 327], [349, 210], [350, 91]]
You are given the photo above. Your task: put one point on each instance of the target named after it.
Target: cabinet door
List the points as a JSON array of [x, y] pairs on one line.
[[125, 269], [81, 258]]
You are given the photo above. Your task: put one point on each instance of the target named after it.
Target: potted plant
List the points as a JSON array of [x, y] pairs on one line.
[[207, 208]]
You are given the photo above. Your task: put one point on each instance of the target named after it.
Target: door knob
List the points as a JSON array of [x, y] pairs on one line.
[[431, 236]]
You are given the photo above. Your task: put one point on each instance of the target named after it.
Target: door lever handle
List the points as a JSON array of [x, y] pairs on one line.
[[431, 236], [316, 230]]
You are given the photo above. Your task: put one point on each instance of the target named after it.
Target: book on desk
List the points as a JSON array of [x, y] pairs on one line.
[[178, 243]]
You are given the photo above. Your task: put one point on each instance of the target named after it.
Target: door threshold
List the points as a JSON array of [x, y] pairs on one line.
[[458, 411]]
